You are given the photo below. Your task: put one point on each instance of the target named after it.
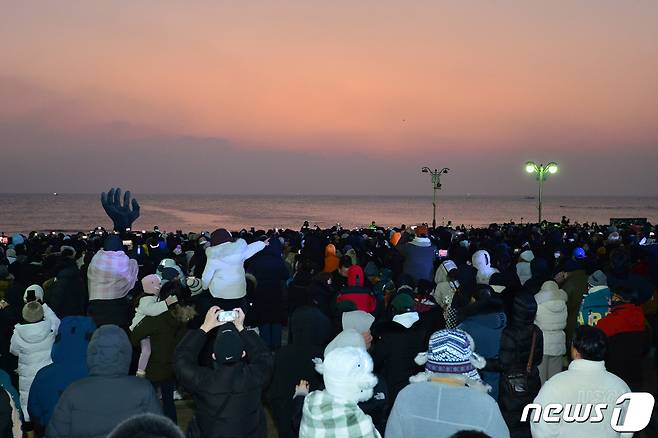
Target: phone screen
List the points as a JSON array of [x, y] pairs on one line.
[[443, 253]]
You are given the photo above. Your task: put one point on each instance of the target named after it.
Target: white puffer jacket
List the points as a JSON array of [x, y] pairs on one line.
[[32, 344], [224, 274], [523, 266], [552, 317]]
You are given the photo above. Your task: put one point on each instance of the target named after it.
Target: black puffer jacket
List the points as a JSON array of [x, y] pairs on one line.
[[68, 295], [93, 406], [515, 347], [294, 362], [227, 398], [393, 352], [117, 312], [271, 273]]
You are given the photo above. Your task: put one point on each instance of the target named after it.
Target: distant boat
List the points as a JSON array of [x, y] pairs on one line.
[[54, 193], [529, 197]]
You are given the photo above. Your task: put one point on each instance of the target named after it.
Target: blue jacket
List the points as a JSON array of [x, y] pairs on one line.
[[486, 330], [69, 355]]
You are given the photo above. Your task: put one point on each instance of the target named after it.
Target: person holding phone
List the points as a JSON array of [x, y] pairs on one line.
[[227, 396]]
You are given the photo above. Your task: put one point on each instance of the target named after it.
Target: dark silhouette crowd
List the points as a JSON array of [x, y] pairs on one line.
[[408, 331]]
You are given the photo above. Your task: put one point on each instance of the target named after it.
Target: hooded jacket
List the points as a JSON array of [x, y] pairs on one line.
[[111, 275], [396, 343], [362, 298], [271, 273], [419, 256], [445, 289], [482, 262], [486, 328], [628, 341], [69, 356], [552, 317], [164, 331], [224, 274], [523, 266], [32, 344], [515, 350], [227, 398], [68, 296], [91, 407], [331, 260], [293, 362]]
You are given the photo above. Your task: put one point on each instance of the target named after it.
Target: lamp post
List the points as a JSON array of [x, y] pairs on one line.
[[436, 185], [542, 173]]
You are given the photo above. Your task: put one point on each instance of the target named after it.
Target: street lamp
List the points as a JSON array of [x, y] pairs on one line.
[[436, 185], [542, 173]]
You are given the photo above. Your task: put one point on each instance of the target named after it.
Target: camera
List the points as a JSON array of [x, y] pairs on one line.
[[227, 315]]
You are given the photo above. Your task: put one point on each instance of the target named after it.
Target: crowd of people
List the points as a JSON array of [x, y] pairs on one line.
[[408, 331]]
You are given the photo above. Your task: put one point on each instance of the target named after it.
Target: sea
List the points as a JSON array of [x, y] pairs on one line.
[[83, 212]]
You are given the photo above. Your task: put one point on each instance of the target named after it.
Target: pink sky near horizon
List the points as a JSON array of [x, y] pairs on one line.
[[387, 80]]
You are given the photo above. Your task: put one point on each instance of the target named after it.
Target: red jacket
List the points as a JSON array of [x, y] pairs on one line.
[[623, 318]]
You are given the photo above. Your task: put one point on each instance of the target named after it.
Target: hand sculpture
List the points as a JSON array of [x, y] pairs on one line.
[[122, 215]]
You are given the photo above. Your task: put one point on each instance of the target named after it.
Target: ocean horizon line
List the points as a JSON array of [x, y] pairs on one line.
[[326, 195]]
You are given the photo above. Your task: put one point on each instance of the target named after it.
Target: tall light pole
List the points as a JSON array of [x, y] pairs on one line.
[[542, 173], [436, 185]]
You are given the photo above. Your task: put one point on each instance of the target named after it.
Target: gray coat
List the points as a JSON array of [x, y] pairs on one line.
[[431, 409]]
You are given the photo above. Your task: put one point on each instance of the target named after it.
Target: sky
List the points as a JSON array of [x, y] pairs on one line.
[[340, 97]]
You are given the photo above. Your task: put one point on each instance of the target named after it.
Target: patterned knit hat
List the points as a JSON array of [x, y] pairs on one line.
[[451, 352], [195, 285]]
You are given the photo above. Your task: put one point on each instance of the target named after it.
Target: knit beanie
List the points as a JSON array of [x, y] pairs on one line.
[[402, 303], [228, 345], [151, 284], [347, 374], [357, 320], [450, 351], [219, 236], [194, 284], [32, 312], [371, 270], [32, 293], [598, 278], [527, 256]]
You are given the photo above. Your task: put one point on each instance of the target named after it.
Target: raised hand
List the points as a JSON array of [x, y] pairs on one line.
[[122, 216]]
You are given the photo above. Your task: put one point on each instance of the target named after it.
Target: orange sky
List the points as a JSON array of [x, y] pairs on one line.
[[426, 78]]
